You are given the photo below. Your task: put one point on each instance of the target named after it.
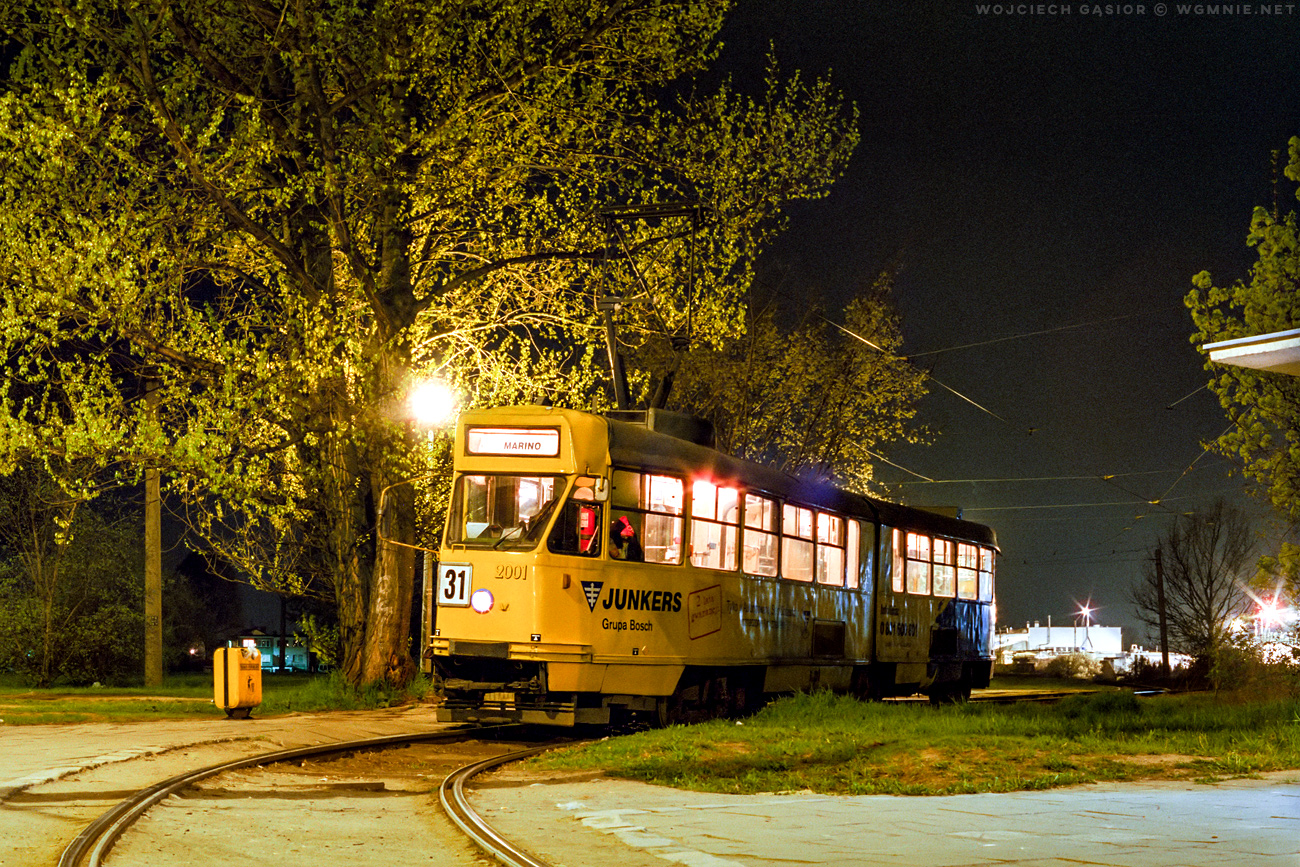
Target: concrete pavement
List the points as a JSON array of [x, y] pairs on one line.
[[1255, 822], [35, 754], [599, 822]]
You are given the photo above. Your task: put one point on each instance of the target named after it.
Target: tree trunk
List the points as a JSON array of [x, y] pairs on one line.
[[374, 583], [346, 508], [386, 655]]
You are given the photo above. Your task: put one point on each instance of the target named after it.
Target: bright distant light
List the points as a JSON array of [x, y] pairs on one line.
[[1085, 612], [1274, 615], [432, 403]]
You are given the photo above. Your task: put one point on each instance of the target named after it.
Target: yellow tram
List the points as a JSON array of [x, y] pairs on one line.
[[596, 567]]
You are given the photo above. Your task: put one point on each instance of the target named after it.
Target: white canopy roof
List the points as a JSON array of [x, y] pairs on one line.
[[1278, 352]]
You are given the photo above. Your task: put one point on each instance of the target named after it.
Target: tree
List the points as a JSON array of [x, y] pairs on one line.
[[1265, 407], [1205, 558], [808, 396], [69, 607], [201, 609], [273, 219]]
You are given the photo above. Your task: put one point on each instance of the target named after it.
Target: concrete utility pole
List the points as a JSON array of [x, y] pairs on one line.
[[427, 611], [153, 664]]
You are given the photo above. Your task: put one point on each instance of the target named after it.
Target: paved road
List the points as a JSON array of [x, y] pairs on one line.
[[35, 754], [601, 822], [1248, 822], [54, 780]]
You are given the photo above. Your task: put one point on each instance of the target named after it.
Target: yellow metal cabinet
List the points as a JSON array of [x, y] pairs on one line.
[[237, 680]]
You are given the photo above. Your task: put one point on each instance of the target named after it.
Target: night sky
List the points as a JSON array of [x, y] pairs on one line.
[[1034, 173]]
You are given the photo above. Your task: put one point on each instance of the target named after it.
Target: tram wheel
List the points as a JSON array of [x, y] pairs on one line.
[[863, 686], [951, 692], [668, 711], [708, 698]]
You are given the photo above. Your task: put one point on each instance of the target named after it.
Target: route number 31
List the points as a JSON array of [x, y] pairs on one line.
[[455, 582]]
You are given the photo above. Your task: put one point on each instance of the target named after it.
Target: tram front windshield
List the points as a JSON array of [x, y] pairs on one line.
[[504, 512]]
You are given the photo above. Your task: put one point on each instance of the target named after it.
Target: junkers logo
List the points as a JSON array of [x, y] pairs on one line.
[[591, 589]]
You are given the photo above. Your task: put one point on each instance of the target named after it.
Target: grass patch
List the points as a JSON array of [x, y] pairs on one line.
[[188, 696], [836, 745]]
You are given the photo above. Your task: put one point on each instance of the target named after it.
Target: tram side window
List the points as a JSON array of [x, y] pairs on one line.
[[896, 581], [576, 530], [945, 568], [853, 554], [968, 559], [986, 574], [662, 499], [797, 543], [830, 549], [652, 505], [918, 564], [715, 519], [760, 541]]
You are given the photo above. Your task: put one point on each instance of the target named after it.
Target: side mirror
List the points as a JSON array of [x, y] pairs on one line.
[[597, 485]]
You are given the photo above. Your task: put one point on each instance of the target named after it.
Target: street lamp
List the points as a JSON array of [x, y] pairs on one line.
[[432, 403], [1085, 611]]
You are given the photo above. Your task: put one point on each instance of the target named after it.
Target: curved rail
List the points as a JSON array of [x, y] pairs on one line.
[[452, 796], [98, 837]]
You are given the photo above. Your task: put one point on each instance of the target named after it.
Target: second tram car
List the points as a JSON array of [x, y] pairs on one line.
[[598, 567]]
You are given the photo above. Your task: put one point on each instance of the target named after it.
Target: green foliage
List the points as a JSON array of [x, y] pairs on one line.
[[190, 695], [1265, 407], [1097, 708], [1078, 666], [808, 396], [837, 745], [326, 692], [71, 594], [1243, 667], [201, 610], [320, 638], [273, 225]]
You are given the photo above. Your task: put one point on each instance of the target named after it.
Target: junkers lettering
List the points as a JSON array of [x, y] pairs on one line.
[[643, 600]]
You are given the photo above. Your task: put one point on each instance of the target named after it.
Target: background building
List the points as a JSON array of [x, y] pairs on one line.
[[1048, 641]]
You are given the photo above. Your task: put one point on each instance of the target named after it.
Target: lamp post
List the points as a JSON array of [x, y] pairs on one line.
[[1086, 613], [153, 628], [431, 404]]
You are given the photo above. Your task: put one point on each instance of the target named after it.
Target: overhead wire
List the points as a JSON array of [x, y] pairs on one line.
[[1020, 336], [886, 460], [1109, 479], [1128, 503], [1034, 478], [928, 375]]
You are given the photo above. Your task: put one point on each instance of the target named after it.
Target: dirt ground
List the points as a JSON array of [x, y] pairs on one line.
[[376, 807]]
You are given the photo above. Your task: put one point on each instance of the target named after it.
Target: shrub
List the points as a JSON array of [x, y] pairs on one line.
[[1076, 665]]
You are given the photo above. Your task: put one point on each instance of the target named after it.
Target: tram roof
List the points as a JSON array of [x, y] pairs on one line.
[[632, 444]]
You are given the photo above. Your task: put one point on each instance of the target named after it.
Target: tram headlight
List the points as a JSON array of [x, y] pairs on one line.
[[481, 600]]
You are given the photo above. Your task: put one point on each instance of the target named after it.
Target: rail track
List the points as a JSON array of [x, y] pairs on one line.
[[90, 848], [452, 796]]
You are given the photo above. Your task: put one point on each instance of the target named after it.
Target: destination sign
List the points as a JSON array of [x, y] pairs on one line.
[[527, 442]]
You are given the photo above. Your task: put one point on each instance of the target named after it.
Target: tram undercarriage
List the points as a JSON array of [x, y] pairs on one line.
[[488, 690]]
